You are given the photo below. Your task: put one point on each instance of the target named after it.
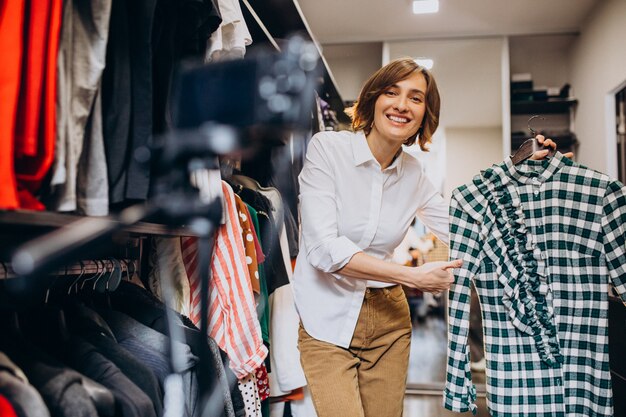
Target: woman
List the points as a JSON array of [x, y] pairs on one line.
[[359, 192]]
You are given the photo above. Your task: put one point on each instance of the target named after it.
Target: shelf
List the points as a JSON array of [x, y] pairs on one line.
[[43, 220], [563, 141], [542, 107]]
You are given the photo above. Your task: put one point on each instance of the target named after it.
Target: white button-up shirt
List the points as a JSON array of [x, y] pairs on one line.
[[349, 205]]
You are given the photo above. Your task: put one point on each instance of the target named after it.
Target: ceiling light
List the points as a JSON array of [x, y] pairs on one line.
[[424, 62], [425, 6]]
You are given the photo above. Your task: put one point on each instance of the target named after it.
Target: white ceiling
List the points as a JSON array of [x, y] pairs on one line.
[[347, 21]]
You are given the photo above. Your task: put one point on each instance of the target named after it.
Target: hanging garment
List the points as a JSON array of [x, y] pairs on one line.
[[229, 41], [249, 246], [166, 261], [127, 98], [148, 39], [250, 393], [276, 164], [11, 40], [263, 307], [61, 389], [14, 385], [92, 328], [275, 269], [286, 369], [540, 241], [233, 321], [248, 236], [149, 311], [31, 88], [6, 408], [130, 400], [92, 184], [36, 115], [286, 372], [180, 31], [226, 381], [125, 327], [81, 61]]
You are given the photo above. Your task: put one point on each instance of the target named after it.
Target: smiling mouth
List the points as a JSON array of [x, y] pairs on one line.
[[398, 119]]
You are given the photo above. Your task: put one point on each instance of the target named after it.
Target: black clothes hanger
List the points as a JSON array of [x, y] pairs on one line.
[[530, 146], [55, 311], [11, 319]]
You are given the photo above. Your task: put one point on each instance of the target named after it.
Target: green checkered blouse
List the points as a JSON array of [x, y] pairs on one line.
[[540, 241]]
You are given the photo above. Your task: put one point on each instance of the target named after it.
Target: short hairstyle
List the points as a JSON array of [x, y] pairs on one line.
[[362, 112]]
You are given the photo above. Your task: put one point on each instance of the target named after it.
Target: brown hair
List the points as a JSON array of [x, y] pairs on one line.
[[362, 113]]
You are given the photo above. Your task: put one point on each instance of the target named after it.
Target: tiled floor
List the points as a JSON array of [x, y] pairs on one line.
[[427, 363], [430, 406], [427, 372]]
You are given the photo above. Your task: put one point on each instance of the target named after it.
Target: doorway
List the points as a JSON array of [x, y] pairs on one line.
[[620, 125]]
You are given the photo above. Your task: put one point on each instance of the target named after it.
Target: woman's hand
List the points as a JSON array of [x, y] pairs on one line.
[[544, 152], [433, 277]]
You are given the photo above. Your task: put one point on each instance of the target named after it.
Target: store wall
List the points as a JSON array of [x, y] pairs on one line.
[[598, 68], [352, 64], [468, 73], [468, 151], [546, 57]]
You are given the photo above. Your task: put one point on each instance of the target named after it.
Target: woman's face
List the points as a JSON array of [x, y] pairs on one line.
[[400, 109]]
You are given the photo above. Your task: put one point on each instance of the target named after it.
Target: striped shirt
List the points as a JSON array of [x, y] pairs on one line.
[[233, 321], [540, 241]]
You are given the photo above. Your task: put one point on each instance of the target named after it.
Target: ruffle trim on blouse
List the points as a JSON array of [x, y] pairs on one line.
[[518, 266]]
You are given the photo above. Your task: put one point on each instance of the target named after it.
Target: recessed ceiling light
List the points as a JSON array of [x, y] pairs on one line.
[[425, 6], [424, 62]]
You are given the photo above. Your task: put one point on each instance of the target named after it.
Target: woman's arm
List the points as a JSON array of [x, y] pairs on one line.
[[430, 277]]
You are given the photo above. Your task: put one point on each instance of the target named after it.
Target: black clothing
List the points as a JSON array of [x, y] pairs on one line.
[[130, 401], [87, 324]]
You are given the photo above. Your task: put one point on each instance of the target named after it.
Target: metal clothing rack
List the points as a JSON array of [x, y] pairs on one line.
[[85, 267]]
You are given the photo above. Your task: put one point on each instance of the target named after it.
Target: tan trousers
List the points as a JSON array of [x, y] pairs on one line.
[[369, 378]]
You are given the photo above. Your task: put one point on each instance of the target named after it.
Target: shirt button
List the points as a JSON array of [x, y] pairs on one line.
[[559, 382], [536, 193]]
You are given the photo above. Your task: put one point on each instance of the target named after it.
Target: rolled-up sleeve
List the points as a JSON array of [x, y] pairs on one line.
[[326, 250]]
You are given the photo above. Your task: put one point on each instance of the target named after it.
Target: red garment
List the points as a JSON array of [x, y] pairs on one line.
[[262, 382], [11, 19], [6, 409], [36, 118], [31, 89], [260, 256], [28, 201]]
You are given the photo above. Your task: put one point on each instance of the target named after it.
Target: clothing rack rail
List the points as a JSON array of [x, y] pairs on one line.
[[86, 267]]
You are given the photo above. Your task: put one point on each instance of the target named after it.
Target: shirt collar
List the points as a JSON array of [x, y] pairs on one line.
[[362, 153], [531, 171], [361, 149]]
